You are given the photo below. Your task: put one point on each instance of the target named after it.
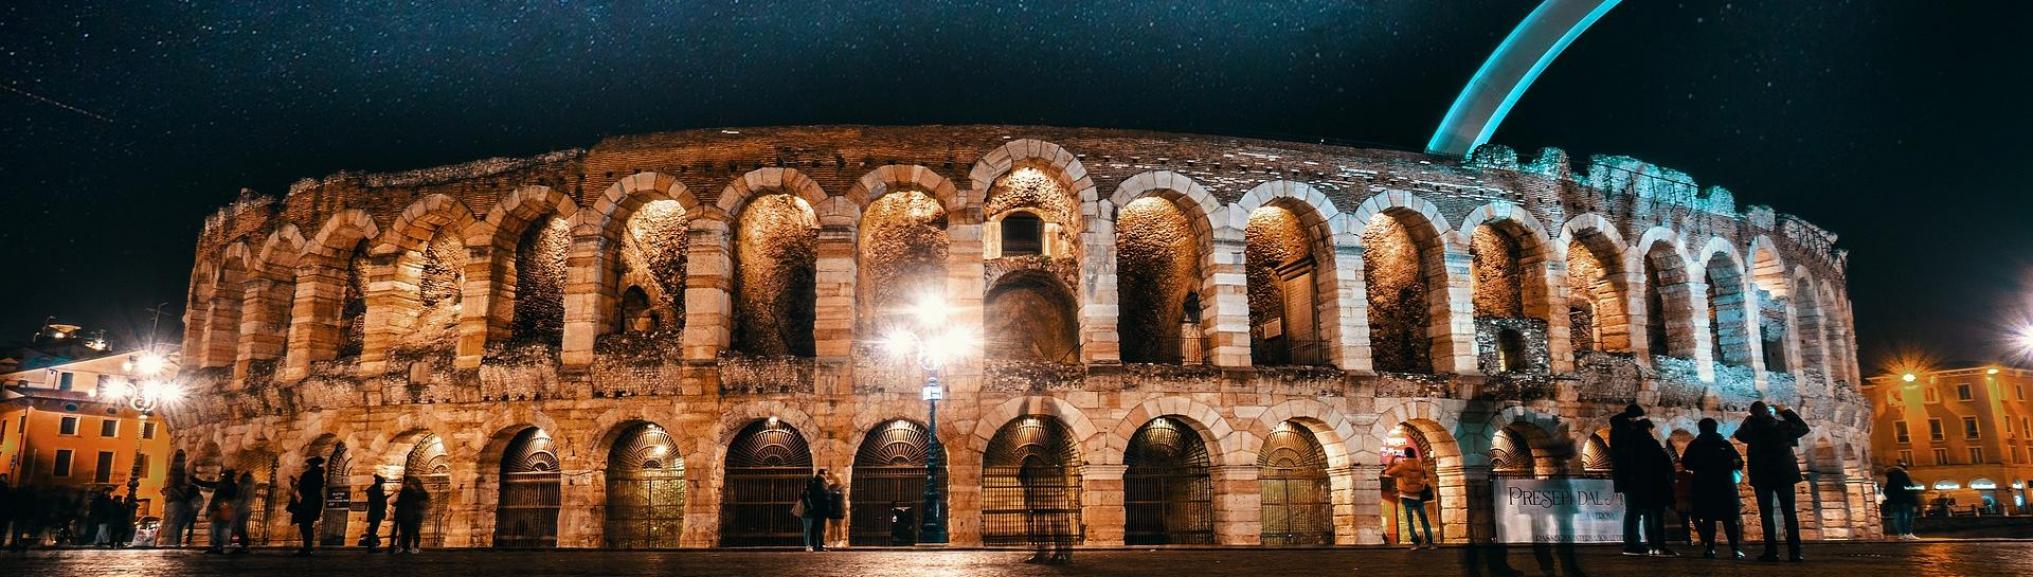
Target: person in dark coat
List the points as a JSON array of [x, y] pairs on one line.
[[1619, 451], [220, 511], [99, 518], [1901, 501], [1769, 437], [1649, 484], [412, 503], [813, 504], [377, 509], [1715, 464], [309, 503]]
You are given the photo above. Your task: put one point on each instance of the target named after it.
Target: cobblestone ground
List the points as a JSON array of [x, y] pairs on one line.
[[1965, 558]]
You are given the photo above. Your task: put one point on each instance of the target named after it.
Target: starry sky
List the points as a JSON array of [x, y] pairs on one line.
[[1895, 123]]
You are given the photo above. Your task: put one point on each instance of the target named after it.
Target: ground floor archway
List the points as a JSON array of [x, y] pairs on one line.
[[1297, 497], [1168, 495], [1030, 484], [767, 465], [889, 471], [527, 515], [645, 489]]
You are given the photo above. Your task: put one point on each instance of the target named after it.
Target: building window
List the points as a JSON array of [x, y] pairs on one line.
[[1963, 392], [63, 381], [2022, 391], [68, 426], [1906, 457], [1902, 432], [1941, 456], [1969, 428], [142, 460], [1976, 455], [109, 428], [1932, 395], [104, 474], [63, 464], [148, 430], [1934, 430], [1023, 233]]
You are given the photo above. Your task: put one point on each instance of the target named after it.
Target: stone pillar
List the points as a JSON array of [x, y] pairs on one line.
[[1687, 329], [966, 290], [1238, 505], [1225, 314], [1100, 306], [265, 297], [589, 298], [834, 318], [1630, 328], [222, 325], [1362, 504], [481, 301], [314, 331], [1350, 306], [389, 314], [1459, 495], [1101, 504], [709, 285], [1552, 299], [1452, 306]]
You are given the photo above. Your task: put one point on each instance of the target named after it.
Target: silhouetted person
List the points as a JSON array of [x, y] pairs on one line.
[[1409, 473], [812, 509], [411, 504], [309, 503], [1045, 522], [1620, 468], [902, 525], [175, 501], [99, 518], [1715, 464], [220, 510], [243, 511], [377, 509], [1770, 439], [1900, 502], [1649, 485]]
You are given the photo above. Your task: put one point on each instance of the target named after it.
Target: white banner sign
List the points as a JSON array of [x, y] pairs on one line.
[[1558, 510]]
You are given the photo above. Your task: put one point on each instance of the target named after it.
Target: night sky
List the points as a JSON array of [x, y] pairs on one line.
[[1897, 124]]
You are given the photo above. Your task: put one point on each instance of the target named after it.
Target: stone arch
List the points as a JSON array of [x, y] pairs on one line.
[[1168, 486], [1449, 457], [901, 177], [524, 239], [329, 310], [1599, 284], [623, 198], [1408, 286], [414, 303], [1165, 262], [1810, 323], [1031, 316], [1731, 326], [1083, 429], [269, 297], [1337, 434], [1671, 328], [1033, 476], [1548, 439], [903, 250], [1291, 238], [733, 418], [1514, 281], [776, 223], [1062, 166], [765, 181], [1227, 446]]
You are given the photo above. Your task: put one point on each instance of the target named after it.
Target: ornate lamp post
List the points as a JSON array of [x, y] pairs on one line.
[[932, 343], [145, 397]]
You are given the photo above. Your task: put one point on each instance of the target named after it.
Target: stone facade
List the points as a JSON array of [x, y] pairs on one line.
[[708, 281]]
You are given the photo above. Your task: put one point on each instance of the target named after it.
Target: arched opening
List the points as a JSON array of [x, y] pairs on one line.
[[1595, 281], [889, 471], [1031, 316], [1813, 333], [1728, 319], [1297, 498], [645, 489], [1157, 254], [1168, 493], [338, 498], [527, 515], [1595, 457], [539, 288], [270, 301], [1031, 212], [223, 309], [1510, 453], [767, 466], [352, 319], [1502, 270], [1668, 314], [1398, 525], [651, 263], [1282, 260], [1030, 484], [430, 286], [1402, 267], [1496, 278], [1768, 281], [430, 466], [1512, 355], [903, 256], [776, 254]]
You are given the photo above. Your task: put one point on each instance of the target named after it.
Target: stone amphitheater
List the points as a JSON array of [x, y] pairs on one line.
[[1184, 339]]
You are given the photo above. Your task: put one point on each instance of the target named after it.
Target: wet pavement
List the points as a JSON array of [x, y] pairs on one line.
[[1964, 558]]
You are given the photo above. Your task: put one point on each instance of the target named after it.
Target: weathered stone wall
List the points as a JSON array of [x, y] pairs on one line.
[[769, 242]]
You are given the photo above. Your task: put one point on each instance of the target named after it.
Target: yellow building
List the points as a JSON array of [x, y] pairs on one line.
[[61, 426], [1966, 433]]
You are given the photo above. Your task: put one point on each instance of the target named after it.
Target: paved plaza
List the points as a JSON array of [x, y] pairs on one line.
[[1964, 558]]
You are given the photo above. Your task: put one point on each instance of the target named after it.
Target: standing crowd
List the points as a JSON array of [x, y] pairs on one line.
[[1704, 489]]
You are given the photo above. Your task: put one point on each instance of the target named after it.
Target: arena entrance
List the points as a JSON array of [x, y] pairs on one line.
[[1030, 484], [767, 465], [431, 467], [1396, 528], [1168, 496], [1297, 497], [645, 489], [889, 470], [527, 516], [338, 498]]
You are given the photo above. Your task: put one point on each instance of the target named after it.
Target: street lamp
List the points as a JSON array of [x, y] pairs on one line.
[[145, 398], [931, 342]]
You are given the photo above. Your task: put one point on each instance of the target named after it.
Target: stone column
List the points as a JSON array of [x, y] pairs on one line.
[[1362, 504], [314, 331], [1452, 320], [259, 341], [1553, 307], [1461, 490], [1100, 304], [589, 298], [966, 290], [1224, 318], [834, 317], [1101, 504], [482, 300], [709, 285], [1238, 505], [389, 315], [1630, 328], [1350, 306]]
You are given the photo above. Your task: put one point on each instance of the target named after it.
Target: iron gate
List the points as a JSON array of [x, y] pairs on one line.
[[1168, 495], [1298, 503], [429, 465], [1030, 485], [338, 499], [888, 470], [645, 490], [767, 466], [1510, 455], [528, 513]]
